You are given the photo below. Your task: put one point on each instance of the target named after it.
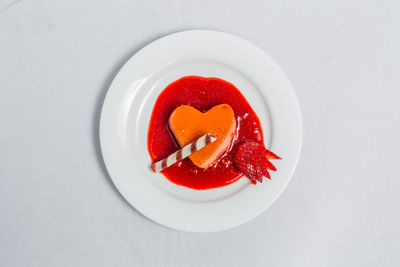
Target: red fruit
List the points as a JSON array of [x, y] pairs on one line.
[[252, 159], [270, 155], [269, 165]]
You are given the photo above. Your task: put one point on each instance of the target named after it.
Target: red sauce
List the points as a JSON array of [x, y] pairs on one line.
[[202, 94]]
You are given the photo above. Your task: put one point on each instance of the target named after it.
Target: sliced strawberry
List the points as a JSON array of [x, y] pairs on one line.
[[262, 168], [251, 174], [270, 155], [269, 165], [267, 175], [265, 169], [252, 159], [250, 171], [260, 174]]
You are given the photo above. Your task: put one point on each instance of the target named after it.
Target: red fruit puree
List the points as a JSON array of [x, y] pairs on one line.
[[202, 94]]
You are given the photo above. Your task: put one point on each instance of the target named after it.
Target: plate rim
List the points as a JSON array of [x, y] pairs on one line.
[[102, 125]]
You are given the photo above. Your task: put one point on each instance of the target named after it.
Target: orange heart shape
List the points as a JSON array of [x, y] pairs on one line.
[[188, 123]]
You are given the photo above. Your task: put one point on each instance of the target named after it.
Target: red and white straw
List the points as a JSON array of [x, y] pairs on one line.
[[185, 152]]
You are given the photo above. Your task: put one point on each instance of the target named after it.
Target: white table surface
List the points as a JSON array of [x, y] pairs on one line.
[[57, 204]]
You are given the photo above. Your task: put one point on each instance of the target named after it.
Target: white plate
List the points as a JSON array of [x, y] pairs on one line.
[[126, 113]]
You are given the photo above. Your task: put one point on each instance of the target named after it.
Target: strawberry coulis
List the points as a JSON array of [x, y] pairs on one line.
[[202, 94]]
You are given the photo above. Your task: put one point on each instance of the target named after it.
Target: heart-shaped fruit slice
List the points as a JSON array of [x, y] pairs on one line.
[[188, 123]]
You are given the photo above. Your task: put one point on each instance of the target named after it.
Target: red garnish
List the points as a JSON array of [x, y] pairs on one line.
[[252, 159], [270, 155]]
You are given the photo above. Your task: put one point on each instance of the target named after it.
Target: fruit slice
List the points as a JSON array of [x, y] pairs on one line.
[[252, 159], [188, 123]]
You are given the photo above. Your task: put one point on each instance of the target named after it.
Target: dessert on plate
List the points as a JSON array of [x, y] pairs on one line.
[[203, 134]]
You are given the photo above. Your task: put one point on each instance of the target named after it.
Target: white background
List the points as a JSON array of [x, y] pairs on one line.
[[57, 204]]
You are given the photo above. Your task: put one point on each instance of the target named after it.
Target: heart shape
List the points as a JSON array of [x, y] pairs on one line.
[[188, 123]]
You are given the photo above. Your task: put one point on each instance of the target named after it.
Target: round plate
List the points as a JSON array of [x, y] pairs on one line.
[[126, 114]]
